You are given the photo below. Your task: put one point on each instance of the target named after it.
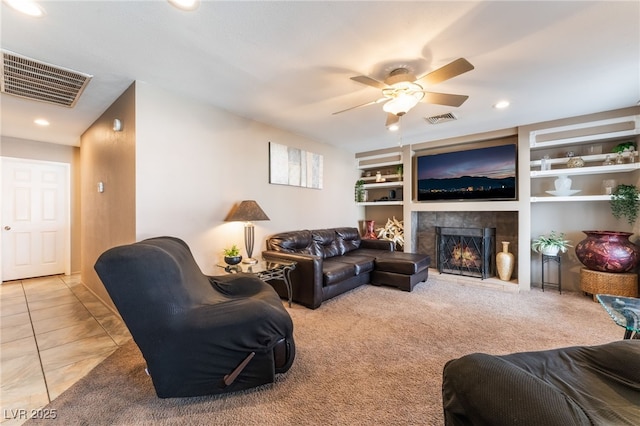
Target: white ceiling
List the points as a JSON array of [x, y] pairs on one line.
[[289, 64]]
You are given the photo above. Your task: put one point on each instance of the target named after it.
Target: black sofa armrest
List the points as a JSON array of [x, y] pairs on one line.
[[306, 278], [377, 244], [487, 390]]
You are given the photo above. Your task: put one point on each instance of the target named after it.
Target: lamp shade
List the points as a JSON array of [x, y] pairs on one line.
[[246, 211]]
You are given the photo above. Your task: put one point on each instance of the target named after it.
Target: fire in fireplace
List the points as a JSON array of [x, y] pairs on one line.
[[466, 251]]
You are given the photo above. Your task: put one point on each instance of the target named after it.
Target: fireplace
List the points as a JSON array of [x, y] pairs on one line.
[[466, 251]]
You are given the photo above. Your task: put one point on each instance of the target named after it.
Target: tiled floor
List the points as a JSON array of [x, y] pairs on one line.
[[53, 331]]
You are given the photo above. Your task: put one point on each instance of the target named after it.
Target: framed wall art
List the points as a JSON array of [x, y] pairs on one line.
[[294, 166]]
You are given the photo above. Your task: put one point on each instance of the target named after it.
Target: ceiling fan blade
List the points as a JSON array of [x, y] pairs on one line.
[[377, 101], [391, 119], [369, 82], [452, 69], [444, 99]]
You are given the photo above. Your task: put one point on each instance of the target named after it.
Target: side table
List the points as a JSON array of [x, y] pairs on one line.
[[557, 259], [266, 271], [624, 311]]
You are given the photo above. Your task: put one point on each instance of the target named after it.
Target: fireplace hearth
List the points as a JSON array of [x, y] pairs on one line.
[[466, 251]]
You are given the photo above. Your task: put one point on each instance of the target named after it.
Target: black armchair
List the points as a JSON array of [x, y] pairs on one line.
[[578, 385], [199, 335]]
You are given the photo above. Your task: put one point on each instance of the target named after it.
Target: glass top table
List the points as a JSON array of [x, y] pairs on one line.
[[625, 311], [266, 271]]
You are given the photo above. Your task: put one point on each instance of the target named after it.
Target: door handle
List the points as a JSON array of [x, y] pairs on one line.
[[7, 228]]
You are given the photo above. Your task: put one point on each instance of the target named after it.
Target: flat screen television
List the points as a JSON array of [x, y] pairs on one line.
[[476, 174]]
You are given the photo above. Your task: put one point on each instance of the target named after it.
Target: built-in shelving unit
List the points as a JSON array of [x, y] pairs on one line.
[[382, 174], [582, 140], [551, 145]]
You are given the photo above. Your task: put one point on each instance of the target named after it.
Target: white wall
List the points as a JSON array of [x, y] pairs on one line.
[[194, 162]]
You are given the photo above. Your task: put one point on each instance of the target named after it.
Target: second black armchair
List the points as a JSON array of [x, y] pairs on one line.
[[199, 335]]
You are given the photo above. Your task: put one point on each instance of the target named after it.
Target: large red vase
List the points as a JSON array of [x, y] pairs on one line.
[[608, 251]]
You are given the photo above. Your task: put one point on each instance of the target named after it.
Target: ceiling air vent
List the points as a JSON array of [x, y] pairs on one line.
[[437, 119], [39, 81]]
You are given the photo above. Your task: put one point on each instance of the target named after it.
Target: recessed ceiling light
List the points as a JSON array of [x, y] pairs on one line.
[[501, 105], [185, 4], [41, 122], [28, 7], [393, 127]]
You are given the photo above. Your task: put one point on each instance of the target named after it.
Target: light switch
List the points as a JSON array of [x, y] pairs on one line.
[[100, 187]]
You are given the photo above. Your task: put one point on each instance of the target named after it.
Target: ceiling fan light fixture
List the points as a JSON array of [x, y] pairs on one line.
[[404, 95], [401, 90], [401, 104]]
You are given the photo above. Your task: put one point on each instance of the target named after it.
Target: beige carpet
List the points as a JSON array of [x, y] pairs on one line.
[[372, 356]]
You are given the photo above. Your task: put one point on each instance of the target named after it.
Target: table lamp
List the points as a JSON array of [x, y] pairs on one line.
[[247, 211]]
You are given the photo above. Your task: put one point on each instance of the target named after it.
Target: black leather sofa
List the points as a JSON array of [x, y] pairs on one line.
[[580, 385], [335, 260], [198, 334]]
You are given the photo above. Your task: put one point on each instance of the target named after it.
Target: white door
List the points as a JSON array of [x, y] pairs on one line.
[[35, 218]]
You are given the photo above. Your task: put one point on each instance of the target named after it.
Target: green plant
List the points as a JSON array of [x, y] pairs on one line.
[[359, 191], [551, 240], [624, 202], [622, 146], [233, 251]]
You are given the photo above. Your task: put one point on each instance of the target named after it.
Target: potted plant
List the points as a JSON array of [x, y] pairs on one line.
[[624, 202], [232, 255], [551, 244], [359, 191], [621, 147]]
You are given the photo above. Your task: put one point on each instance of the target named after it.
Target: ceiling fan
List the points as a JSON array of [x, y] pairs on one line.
[[401, 90]]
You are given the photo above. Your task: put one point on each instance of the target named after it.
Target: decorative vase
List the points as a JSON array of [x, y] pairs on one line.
[[370, 232], [562, 184], [575, 162], [232, 260], [608, 251], [505, 262]]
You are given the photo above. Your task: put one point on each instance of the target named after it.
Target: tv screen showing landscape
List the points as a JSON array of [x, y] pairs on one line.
[[475, 174]]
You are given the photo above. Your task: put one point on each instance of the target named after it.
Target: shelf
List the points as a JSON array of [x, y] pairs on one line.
[[381, 203], [379, 159], [394, 184], [584, 133], [379, 165], [586, 158], [587, 170], [387, 177], [544, 199]]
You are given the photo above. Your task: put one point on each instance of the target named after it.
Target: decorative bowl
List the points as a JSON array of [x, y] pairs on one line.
[[232, 260], [564, 193]]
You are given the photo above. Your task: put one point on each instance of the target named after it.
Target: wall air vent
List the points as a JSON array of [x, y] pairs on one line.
[[437, 119], [39, 81]]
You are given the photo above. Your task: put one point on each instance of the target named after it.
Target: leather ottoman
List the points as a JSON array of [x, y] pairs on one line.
[[401, 270]]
